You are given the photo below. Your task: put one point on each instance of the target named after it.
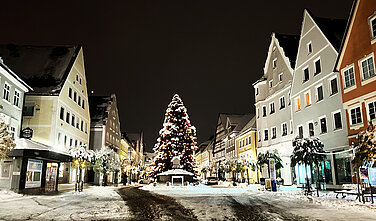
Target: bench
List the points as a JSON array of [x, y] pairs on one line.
[[348, 189]]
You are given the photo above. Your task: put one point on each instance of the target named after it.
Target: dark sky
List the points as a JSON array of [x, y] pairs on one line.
[[209, 52]]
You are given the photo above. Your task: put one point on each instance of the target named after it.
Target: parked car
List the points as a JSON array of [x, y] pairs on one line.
[[212, 180]]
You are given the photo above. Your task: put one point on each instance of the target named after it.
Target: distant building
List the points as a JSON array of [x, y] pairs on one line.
[[57, 109], [273, 107], [12, 90], [317, 101], [228, 126], [246, 143], [104, 130], [356, 64]]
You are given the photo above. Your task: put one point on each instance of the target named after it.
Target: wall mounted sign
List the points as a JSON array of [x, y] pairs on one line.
[[27, 133]]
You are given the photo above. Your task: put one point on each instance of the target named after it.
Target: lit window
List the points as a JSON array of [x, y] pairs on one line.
[[368, 68], [306, 74], [356, 116], [372, 110], [297, 104], [16, 98], [349, 77], [6, 94], [308, 98], [319, 93]]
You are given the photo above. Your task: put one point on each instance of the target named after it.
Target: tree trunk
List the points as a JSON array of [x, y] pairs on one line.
[[308, 185]]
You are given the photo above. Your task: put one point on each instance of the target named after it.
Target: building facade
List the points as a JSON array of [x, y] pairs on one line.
[[356, 64], [273, 106], [12, 91], [104, 131], [246, 143], [317, 101]]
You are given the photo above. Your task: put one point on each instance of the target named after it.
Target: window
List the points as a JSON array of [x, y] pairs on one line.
[[61, 113], [271, 83], [274, 63], [82, 125], [284, 129], [85, 127], [282, 103], [259, 135], [300, 130], [280, 76], [264, 111], [323, 126], [75, 97], [306, 74], [368, 68], [274, 132], [76, 77], [249, 140], [83, 103], [309, 48], [373, 26], [337, 121], [79, 100], [13, 132], [70, 142], [266, 136], [257, 91], [67, 117], [372, 110], [272, 109], [80, 80], [65, 140], [258, 112], [59, 139], [317, 66], [333, 86], [349, 77], [308, 98], [28, 110], [78, 123], [70, 93], [6, 94], [16, 98], [356, 116], [311, 129], [297, 104], [75, 143], [319, 93], [72, 122]]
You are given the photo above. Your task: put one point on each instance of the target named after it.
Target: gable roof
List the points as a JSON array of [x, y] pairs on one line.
[[251, 124], [98, 106], [333, 29], [44, 68], [236, 120]]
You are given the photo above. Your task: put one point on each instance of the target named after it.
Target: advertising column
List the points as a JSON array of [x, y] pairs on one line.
[[272, 174]]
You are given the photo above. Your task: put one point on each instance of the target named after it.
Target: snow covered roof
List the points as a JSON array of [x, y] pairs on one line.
[[176, 172], [44, 68], [23, 143], [99, 106]]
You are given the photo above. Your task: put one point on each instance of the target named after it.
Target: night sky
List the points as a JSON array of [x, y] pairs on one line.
[[209, 52]]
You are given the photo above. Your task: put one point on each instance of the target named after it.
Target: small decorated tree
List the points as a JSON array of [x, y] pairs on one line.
[[106, 162], [176, 138], [82, 158], [6, 140], [307, 151], [366, 151], [263, 159]]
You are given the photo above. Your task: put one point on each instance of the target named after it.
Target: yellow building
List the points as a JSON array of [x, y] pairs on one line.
[[246, 143], [57, 110]]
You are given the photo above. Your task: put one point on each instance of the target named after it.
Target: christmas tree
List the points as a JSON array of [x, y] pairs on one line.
[[177, 138]]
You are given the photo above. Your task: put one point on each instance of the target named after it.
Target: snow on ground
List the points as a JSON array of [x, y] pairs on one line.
[[93, 203]]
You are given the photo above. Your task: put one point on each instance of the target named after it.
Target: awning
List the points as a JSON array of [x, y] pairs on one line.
[[175, 172], [32, 149]]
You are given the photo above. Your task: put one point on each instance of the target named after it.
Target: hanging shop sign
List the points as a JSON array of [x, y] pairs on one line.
[[34, 173], [27, 133]]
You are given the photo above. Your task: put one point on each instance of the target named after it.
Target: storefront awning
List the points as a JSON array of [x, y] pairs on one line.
[[29, 148]]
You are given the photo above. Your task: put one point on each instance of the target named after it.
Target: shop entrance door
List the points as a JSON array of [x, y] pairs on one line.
[[51, 177]]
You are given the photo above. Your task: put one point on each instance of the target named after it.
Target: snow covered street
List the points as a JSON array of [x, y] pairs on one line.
[[94, 203], [162, 202]]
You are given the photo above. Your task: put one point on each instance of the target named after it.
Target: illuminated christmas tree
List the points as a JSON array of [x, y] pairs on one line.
[[177, 138]]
